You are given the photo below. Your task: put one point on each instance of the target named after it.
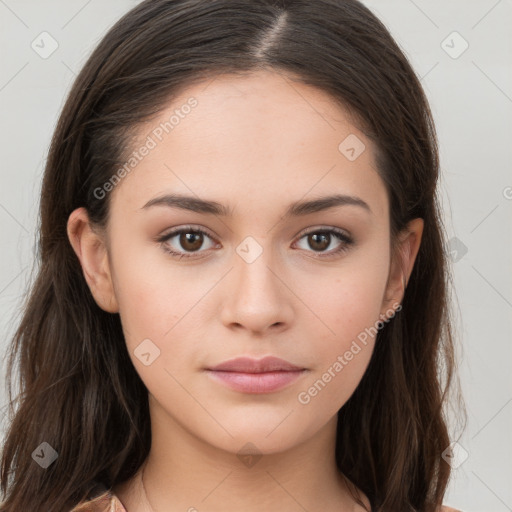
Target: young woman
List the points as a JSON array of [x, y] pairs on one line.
[[242, 298]]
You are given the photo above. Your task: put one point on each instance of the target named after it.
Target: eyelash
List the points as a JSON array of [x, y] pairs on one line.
[[341, 235]]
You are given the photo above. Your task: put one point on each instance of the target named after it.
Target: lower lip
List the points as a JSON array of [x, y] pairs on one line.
[[256, 382]]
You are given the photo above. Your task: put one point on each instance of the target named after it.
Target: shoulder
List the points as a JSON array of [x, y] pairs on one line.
[[448, 509], [105, 502]]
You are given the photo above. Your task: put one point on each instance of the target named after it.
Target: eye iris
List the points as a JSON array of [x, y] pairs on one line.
[[316, 237], [191, 241]]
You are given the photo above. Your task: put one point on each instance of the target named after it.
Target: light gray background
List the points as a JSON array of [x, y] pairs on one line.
[[471, 97]]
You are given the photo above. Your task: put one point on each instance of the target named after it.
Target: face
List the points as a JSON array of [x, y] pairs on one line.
[[268, 269]]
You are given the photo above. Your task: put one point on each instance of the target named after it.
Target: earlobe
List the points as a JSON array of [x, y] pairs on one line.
[[91, 250], [403, 262]]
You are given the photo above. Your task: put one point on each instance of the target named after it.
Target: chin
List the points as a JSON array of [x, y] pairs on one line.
[[258, 438]]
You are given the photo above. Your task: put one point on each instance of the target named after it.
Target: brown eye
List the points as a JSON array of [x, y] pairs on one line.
[[186, 241], [319, 240], [191, 241]]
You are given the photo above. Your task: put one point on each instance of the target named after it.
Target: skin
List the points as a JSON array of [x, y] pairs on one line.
[[255, 144]]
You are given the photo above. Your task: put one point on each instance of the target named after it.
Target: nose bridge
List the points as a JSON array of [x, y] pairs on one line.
[[252, 269], [257, 297]]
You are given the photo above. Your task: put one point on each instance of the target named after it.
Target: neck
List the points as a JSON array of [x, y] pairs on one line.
[[183, 472]]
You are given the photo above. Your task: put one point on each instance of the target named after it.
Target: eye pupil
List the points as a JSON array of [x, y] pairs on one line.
[[187, 241], [316, 237]]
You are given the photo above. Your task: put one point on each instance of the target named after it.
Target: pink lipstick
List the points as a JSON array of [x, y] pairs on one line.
[[248, 375]]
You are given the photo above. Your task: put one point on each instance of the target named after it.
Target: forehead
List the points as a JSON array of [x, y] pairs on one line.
[[249, 140]]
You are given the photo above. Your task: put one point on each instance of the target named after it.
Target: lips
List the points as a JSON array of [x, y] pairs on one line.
[[248, 365], [246, 375]]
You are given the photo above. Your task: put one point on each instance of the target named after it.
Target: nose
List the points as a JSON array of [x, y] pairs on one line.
[[257, 296]]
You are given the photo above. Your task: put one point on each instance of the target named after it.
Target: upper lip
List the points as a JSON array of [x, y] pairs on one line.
[[249, 365]]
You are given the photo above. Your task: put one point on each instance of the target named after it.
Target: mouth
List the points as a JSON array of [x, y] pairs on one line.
[[248, 375]]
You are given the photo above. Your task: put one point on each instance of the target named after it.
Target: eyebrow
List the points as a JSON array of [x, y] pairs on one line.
[[296, 209]]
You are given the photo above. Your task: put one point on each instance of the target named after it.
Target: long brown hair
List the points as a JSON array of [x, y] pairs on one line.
[[79, 391]]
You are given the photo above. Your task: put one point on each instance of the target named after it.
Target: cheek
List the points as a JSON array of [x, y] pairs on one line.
[[348, 303], [160, 302], [151, 301], [152, 293], [349, 307]]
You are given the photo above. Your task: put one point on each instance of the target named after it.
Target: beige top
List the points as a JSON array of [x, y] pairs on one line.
[[107, 501]]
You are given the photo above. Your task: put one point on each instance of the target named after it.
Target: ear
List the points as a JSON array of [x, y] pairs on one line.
[[90, 246], [402, 263]]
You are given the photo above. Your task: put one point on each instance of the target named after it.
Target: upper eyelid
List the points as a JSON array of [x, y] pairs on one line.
[[307, 231], [176, 231], [303, 232]]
